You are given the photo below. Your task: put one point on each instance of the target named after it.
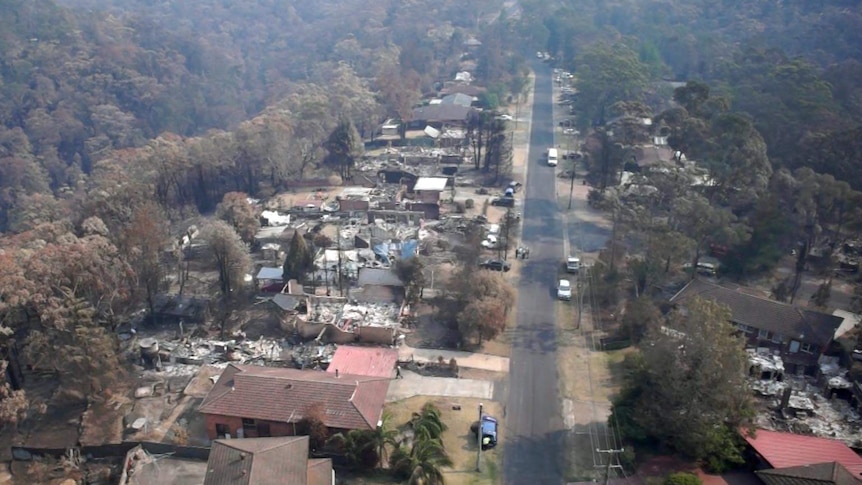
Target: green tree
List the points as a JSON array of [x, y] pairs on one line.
[[422, 464], [428, 423], [688, 390], [344, 147], [606, 74], [358, 446], [299, 259], [682, 478]]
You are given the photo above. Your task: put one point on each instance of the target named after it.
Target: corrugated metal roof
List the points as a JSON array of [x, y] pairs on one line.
[[284, 395], [267, 273], [364, 361], [437, 184], [783, 450]]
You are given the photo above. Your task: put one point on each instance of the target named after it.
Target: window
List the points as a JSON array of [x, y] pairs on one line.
[[764, 334], [222, 430], [807, 348], [248, 425], [745, 328], [777, 338]]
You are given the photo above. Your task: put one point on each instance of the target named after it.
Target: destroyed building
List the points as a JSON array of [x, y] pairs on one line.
[[338, 320]]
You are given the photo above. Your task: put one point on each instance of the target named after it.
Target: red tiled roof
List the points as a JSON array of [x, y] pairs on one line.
[[364, 361], [782, 450], [278, 394]]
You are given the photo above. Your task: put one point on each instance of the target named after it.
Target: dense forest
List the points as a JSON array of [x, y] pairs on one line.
[[792, 66], [83, 82]]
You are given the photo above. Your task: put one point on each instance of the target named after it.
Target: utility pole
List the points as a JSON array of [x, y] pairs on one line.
[[479, 442], [340, 275], [610, 453]]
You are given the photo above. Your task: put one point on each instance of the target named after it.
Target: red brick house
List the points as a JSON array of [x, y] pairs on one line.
[[253, 401], [800, 335]]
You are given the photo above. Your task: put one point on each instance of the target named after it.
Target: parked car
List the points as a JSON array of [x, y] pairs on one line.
[[491, 242], [503, 202], [489, 431], [564, 290], [496, 265], [573, 264], [515, 186]]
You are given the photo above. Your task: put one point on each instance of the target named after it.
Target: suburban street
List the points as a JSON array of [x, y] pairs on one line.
[[533, 422]]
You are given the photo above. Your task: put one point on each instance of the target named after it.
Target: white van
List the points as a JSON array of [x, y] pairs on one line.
[[552, 157]]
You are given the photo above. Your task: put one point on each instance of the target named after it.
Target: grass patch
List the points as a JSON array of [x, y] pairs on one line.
[[459, 442]]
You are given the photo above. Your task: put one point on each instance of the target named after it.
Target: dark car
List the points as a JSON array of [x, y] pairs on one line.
[[495, 265], [503, 202], [489, 431]]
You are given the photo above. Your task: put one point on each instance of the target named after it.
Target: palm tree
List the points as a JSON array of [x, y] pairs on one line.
[[422, 464], [383, 436], [429, 458], [358, 447], [428, 424]]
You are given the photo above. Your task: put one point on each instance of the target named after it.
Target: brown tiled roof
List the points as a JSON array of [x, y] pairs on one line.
[[817, 474], [319, 471], [790, 321], [278, 394], [258, 461], [364, 361]]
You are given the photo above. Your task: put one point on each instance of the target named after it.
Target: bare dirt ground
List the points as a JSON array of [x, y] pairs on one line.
[[459, 442]]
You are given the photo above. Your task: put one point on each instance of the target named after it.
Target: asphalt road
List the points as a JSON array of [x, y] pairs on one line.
[[533, 423]]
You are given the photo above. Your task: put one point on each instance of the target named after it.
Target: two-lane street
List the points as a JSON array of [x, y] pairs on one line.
[[534, 425]]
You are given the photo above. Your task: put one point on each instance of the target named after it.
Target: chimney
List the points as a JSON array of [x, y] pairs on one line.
[[336, 373]]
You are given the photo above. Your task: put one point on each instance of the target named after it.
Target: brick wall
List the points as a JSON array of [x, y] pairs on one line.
[[235, 423]]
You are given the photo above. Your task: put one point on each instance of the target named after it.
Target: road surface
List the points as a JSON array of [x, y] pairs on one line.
[[532, 451]]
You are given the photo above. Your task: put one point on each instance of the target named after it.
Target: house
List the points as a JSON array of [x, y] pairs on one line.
[[799, 335], [428, 189], [364, 361], [458, 99], [438, 115], [792, 459], [379, 285], [270, 277], [266, 461], [253, 401], [390, 128]]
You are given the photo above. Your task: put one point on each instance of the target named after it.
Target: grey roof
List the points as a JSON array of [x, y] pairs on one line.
[[817, 474], [441, 112], [459, 99], [378, 277], [287, 302], [798, 323], [259, 461], [267, 273]]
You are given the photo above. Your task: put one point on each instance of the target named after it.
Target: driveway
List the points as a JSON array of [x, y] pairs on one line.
[[532, 452], [472, 360], [414, 384]]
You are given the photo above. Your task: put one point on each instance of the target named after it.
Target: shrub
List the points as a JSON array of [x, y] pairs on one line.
[[682, 478], [469, 203]]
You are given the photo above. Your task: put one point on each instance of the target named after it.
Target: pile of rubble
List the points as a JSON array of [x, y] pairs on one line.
[[799, 404], [312, 355]]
